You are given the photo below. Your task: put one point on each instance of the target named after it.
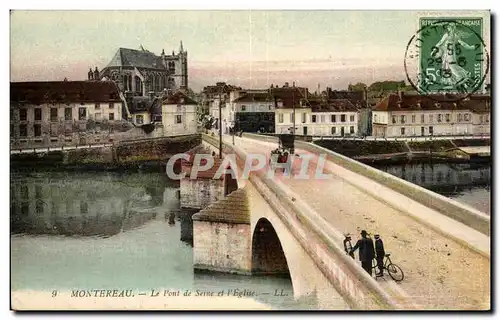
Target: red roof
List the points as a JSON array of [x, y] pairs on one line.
[[432, 102], [187, 166], [178, 98], [335, 105], [64, 92]]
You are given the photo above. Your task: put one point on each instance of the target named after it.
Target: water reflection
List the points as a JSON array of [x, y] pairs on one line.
[[469, 183], [85, 204]]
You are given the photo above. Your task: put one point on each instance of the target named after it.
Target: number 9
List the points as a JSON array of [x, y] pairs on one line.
[[54, 293]]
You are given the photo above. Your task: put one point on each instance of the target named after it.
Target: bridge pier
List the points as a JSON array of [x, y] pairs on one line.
[[221, 236]]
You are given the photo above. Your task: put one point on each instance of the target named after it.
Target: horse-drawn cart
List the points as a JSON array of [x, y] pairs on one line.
[[286, 147]]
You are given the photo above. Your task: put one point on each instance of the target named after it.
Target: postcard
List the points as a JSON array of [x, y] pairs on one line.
[[250, 160]]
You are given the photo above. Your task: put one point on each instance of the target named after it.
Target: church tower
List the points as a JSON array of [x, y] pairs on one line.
[[183, 55]]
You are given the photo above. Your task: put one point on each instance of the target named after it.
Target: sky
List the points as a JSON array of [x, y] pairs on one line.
[[252, 49]]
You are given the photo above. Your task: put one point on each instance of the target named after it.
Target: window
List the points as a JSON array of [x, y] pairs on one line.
[[459, 117], [334, 130], [111, 105], [292, 117], [342, 118], [53, 114], [422, 118], [178, 119], [351, 129], [447, 117], [402, 131], [139, 119], [280, 118], [269, 107], [97, 116], [413, 118], [466, 117], [487, 118], [393, 119], [313, 118], [351, 118], [403, 119], [39, 206], [303, 117], [111, 116], [84, 208], [431, 131], [97, 106], [334, 118], [38, 114], [431, 118], [23, 130], [322, 118], [38, 130], [23, 114], [68, 114], [82, 113], [440, 117], [243, 108], [374, 118]]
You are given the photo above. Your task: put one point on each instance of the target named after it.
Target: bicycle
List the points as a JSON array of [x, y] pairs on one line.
[[394, 270]]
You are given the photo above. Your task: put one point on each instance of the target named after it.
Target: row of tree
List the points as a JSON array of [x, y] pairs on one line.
[[380, 86]]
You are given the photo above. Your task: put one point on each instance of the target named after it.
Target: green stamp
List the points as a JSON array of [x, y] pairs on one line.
[[451, 55]]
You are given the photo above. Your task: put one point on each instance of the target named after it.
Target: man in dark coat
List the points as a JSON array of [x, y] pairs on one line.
[[366, 251], [379, 250]]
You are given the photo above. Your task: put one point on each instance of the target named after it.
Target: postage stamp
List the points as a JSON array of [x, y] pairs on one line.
[[451, 55]]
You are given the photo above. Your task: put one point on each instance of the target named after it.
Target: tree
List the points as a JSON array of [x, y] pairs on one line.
[[357, 87]]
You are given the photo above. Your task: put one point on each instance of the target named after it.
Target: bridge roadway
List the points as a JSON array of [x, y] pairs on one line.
[[441, 271]]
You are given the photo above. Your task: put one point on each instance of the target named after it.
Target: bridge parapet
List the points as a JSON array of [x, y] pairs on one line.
[[359, 289], [467, 215]]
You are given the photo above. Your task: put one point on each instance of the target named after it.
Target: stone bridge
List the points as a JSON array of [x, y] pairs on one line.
[[294, 227]]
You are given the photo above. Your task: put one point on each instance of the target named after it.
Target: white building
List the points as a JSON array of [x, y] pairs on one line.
[[319, 118], [406, 115], [178, 115]]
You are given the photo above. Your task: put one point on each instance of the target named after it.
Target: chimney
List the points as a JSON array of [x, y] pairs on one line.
[[286, 85], [293, 84], [96, 74]]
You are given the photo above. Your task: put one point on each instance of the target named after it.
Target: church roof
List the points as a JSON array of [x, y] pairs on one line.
[[233, 209], [136, 58]]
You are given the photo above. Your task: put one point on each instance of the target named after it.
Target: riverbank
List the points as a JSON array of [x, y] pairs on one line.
[[399, 152], [144, 154]]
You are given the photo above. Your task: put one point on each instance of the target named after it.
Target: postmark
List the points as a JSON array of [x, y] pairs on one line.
[[450, 55]]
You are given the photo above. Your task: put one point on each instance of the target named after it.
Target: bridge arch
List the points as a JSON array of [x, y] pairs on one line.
[[268, 256]]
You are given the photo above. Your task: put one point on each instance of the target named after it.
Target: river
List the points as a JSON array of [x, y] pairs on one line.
[[85, 231], [467, 183]]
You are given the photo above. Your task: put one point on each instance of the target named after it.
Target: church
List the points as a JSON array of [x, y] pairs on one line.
[[142, 73]]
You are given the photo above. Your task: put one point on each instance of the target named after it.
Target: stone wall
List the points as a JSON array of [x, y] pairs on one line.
[[125, 153], [199, 193], [155, 149], [222, 247]]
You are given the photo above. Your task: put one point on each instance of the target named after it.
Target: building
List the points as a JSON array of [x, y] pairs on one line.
[[360, 100], [336, 117], [62, 113], [178, 115], [141, 71], [252, 110], [403, 115]]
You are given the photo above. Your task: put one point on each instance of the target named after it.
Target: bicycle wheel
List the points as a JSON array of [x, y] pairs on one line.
[[395, 272]]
